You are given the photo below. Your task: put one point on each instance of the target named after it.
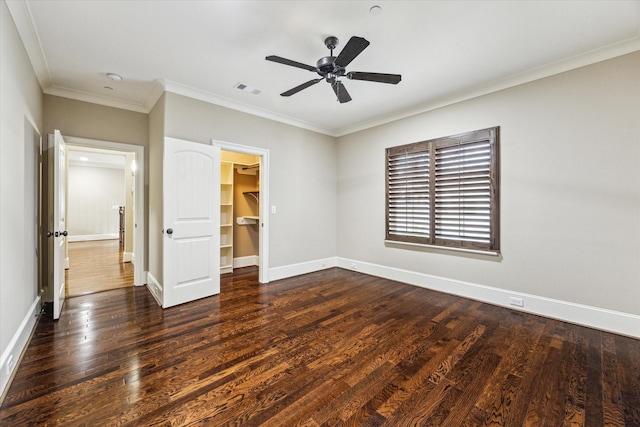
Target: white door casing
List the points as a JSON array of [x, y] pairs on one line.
[[191, 217], [56, 142]]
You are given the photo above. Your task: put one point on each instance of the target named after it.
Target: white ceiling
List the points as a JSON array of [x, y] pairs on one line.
[[82, 156], [446, 51]]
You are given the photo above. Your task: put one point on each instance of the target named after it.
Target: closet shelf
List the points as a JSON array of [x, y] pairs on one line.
[[254, 194], [247, 220]]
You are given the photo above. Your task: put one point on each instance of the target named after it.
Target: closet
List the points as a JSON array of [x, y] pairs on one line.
[[239, 210]]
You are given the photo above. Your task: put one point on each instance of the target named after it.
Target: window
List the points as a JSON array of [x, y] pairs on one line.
[[445, 192]]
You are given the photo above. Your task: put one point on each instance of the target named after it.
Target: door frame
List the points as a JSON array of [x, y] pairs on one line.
[[139, 220], [263, 234]]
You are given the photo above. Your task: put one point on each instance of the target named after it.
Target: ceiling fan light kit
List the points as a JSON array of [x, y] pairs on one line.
[[331, 68]]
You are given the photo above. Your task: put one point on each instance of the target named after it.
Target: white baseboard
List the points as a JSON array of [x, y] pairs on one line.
[[277, 273], [84, 238], [246, 261], [128, 257], [593, 317], [17, 345], [155, 288]]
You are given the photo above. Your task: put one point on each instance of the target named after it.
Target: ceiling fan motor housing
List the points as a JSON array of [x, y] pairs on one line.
[[326, 65]]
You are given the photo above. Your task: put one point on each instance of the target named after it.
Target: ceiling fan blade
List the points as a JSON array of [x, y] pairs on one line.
[[353, 48], [341, 92], [286, 61], [375, 77], [300, 87]]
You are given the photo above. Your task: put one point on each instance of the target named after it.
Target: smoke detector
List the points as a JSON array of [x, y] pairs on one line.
[[114, 77]]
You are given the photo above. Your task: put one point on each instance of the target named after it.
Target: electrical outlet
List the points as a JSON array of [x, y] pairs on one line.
[[518, 302], [10, 364]]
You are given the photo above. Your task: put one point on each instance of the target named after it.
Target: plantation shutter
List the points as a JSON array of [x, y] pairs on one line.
[[408, 198], [463, 195], [444, 192]]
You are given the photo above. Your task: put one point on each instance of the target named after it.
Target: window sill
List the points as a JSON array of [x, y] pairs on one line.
[[443, 248]]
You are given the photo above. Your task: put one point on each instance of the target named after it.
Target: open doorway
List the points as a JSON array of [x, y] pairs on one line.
[[239, 210], [252, 221], [105, 246], [99, 220]]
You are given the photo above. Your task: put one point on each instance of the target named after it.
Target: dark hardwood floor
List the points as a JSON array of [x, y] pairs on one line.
[[335, 347], [96, 266]]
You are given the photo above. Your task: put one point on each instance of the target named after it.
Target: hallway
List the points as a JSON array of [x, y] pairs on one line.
[[96, 266]]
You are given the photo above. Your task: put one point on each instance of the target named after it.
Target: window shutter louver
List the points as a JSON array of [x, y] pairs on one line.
[[444, 192]]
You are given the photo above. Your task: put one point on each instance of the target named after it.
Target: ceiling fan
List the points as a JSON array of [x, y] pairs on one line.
[[331, 68]]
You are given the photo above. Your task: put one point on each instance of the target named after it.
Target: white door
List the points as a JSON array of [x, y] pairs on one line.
[[191, 217], [59, 231]]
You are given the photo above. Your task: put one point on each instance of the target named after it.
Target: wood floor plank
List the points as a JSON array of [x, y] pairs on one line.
[[594, 409], [334, 347], [628, 356], [613, 412], [575, 380], [96, 266]]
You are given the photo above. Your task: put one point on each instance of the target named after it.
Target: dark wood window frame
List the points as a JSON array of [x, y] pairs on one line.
[[445, 192]]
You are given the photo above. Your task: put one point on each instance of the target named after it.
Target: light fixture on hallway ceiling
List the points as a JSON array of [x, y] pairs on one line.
[[114, 77], [375, 10]]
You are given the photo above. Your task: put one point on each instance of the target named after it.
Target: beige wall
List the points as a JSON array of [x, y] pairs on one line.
[[570, 197], [93, 121], [20, 122], [92, 192], [303, 175], [156, 144]]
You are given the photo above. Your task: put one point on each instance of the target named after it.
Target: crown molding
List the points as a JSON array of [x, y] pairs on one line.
[[157, 89], [21, 14]]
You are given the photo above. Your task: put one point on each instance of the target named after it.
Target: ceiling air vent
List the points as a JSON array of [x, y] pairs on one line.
[[247, 88]]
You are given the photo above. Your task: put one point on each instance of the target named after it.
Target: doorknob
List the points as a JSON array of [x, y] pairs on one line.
[[64, 233], [169, 231], [49, 234]]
